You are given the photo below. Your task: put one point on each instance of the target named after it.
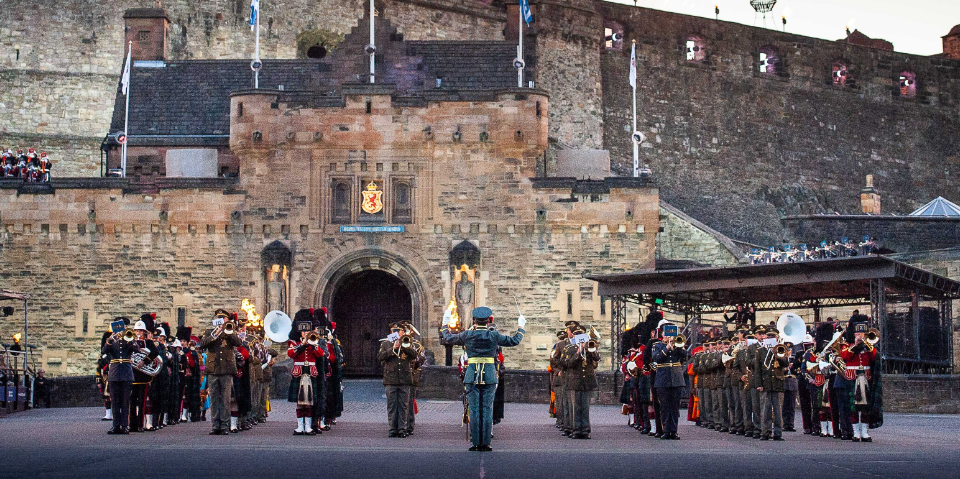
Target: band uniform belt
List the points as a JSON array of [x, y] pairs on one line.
[[115, 361], [668, 365], [305, 363], [858, 368], [480, 361]]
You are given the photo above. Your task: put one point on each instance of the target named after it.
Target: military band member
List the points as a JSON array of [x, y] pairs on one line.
[[732, 391], [118, 351], [480, 380], [693, 402], [754, 380], [306, 351], [704, 380], [397, 357], [556, 387], [141, 380], [191, 379], [791, 388], [723, 379], [648, 359], [861, 369], [772, 365], [580, 362], [101, 375], [741, 365], [220, 344], [564, 408], [416, 373], [669, 382], [841, 390], [798, 366]]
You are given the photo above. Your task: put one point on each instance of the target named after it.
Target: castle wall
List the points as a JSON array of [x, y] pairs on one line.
[[101, 252], [737, 150], [64, 58]]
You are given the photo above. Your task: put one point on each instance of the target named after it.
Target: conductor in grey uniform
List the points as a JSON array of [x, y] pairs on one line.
[[480, 378]]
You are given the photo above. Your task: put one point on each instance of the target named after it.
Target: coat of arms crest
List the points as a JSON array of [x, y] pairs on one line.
[[372, 199]]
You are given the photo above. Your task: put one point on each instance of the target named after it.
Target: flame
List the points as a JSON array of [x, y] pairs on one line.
[[16, 337], [454, 317], [253, 319]]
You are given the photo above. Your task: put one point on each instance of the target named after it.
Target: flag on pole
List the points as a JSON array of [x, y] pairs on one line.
[[633, 65], [525, 10], [254, 13], [125, 80]]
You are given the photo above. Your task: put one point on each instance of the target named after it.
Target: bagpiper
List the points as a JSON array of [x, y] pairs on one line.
[[304, 348], [863, 370]]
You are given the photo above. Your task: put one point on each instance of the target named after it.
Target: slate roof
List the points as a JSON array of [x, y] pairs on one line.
[[938, 207], [191, 98]]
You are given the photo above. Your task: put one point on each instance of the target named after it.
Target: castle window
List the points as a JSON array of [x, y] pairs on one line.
[[840, 75], [695, 50], [402, 202], [612, 36], [908, 84], [143, 35], [341, 202], [769, 61]]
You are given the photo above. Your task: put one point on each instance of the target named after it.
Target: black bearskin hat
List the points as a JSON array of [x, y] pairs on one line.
[[183, 333], [303, 318], [149, 320], [823, 335], [320, 318]]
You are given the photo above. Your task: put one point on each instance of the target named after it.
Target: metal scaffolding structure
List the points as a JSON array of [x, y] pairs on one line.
[[910, 306]]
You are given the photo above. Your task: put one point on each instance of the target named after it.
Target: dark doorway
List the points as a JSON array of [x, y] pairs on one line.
[[364, 305]]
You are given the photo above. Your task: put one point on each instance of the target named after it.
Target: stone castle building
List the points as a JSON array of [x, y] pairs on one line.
[[440, 180]]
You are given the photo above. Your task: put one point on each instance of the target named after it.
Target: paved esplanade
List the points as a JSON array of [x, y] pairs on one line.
[[74, 443]]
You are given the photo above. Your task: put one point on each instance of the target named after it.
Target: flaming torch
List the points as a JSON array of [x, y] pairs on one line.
[[253, 319], [454, 322]]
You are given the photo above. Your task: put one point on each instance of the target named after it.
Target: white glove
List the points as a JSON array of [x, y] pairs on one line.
[[521, 321], [447, 316]]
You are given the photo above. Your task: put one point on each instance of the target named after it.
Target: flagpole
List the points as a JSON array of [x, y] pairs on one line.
[[520, 48], [126, 113], [636, 145], [373, 44], [256, 73]]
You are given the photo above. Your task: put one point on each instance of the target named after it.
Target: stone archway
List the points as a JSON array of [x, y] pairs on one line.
[[345, 276]]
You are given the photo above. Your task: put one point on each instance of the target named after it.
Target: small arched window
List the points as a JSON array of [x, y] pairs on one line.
[[840, 73], [695, 51], [908, 84], [769, 60], [612, 35]]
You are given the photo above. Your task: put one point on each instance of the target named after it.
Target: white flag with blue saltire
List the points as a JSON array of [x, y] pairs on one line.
[[525, 10], [125, 79], [633, 65], [254, 13]]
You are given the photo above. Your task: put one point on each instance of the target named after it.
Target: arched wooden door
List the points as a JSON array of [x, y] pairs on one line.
[[364, 305]]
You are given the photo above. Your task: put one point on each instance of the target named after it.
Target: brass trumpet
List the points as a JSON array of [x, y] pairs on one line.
[[228, 328], [313, 336], [679, 341], [872, 337], [406, 341], [129, 335]]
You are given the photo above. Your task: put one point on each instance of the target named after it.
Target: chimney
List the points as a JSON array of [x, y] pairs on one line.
[[147, 29], [870, 198], [951, 44]]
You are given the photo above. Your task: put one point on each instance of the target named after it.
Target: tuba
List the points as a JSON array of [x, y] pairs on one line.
[[277, 326]]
